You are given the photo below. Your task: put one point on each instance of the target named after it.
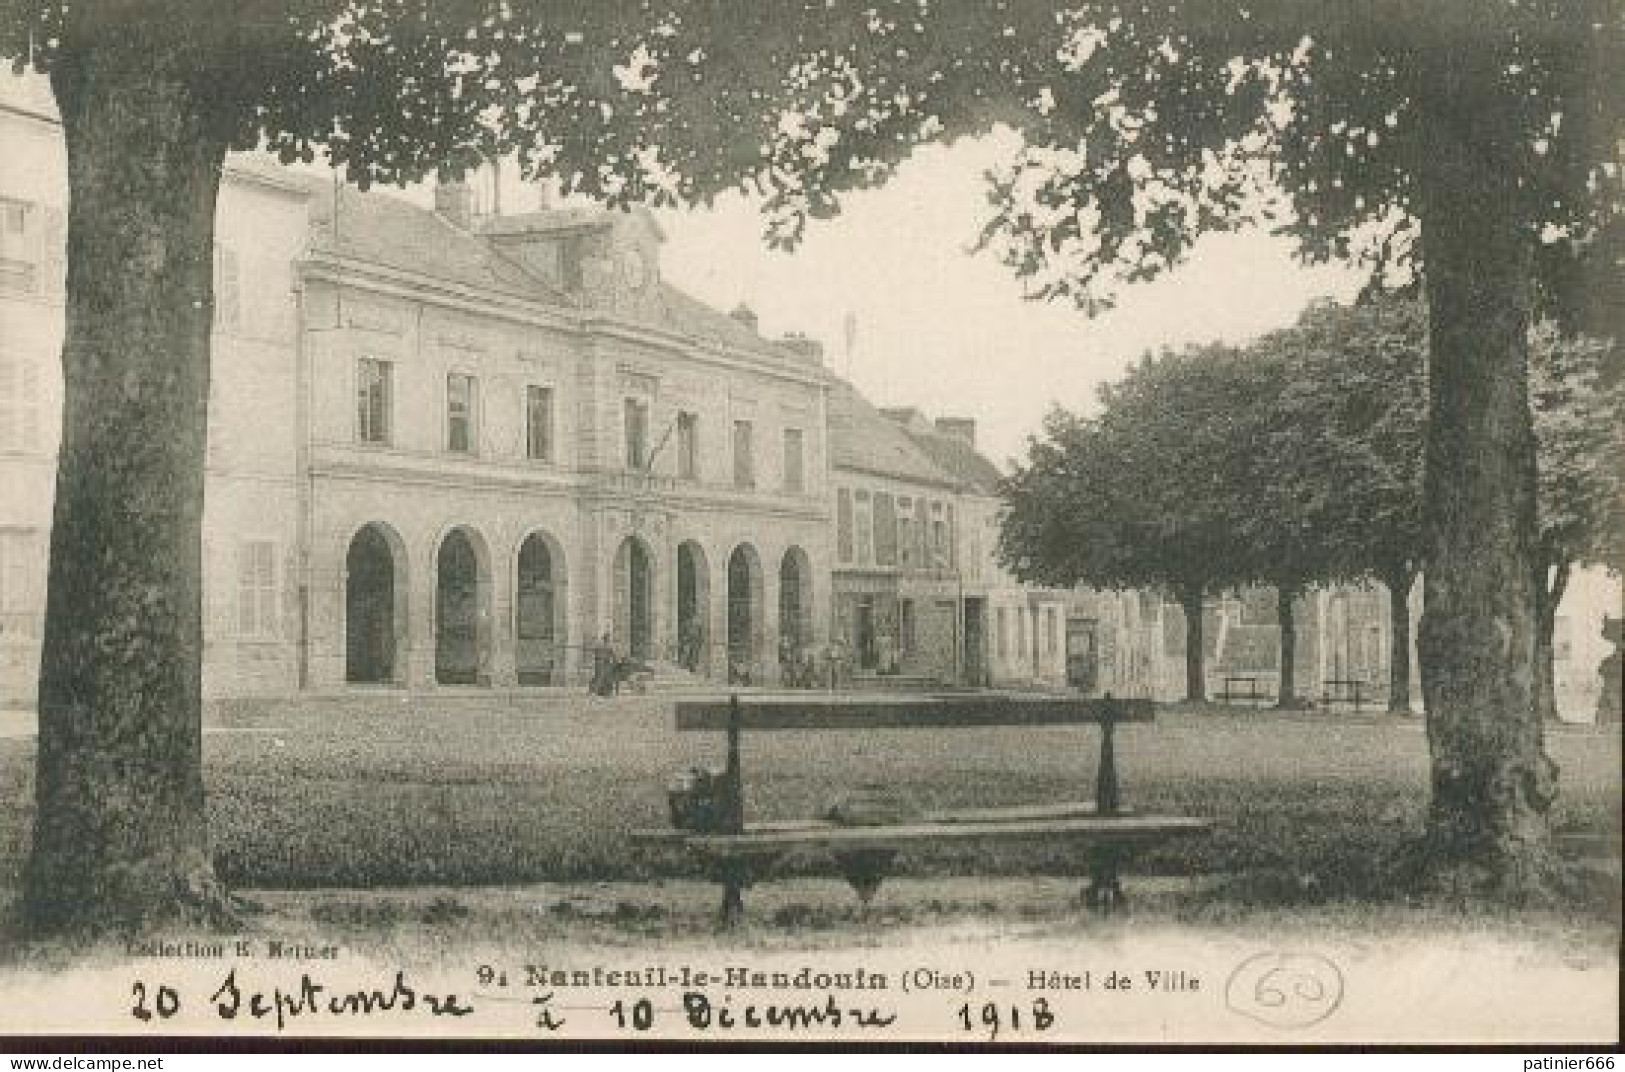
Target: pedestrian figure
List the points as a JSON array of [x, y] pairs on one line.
[[787, 663], [837, 662]]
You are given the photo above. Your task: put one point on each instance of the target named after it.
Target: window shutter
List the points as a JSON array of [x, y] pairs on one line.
[[226, 292], [28, 405], [53, 243], [265, 583], [10, 425], [246, 609]]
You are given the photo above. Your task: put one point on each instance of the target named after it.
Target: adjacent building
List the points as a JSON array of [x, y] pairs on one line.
[[896, 589], [1011, 634]]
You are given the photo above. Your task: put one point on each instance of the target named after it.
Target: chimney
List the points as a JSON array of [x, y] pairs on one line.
[[745, 315], [455, 201], [809, 350], [958, 427]]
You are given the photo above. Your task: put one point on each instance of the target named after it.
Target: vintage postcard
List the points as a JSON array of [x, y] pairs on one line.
[[811, 522]]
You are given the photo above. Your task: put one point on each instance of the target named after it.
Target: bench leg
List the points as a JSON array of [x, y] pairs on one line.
[[733, 903], [734, 875], [1105, 891], [865, 870]]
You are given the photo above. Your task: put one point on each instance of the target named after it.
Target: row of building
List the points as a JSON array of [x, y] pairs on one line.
[[452, 447]]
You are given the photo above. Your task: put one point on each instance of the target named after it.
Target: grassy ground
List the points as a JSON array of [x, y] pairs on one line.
[[389, 793]]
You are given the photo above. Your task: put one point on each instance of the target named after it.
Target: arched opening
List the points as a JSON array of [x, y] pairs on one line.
[[634, 604], [374, 607], [462, 610], [795, 602], [744, 612], [539, 612], [795, 619], [693, 608]]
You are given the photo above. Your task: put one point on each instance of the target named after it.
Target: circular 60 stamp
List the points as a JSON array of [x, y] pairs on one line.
[[1285, 990]]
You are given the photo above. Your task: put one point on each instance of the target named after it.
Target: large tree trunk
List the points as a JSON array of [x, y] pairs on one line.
[[1190, 600], [1492, 782], [120, 836], [1286, 696], [1550, 584], [1399, 581]]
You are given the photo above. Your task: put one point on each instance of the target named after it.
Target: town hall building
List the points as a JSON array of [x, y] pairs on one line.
[[446, 448]]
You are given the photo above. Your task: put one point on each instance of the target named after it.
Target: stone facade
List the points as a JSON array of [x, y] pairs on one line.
[[1343, 644], [919, 591], [445, 449]]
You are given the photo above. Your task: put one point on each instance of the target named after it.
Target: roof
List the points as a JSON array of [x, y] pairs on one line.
[[387, 230], [960, 459], [861, 438], [390, 231], [548, 221], [566, 220], [694, 318]]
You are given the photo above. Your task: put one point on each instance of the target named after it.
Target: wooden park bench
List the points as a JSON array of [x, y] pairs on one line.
[[736, 853], [1254, 693], [1344, 690]]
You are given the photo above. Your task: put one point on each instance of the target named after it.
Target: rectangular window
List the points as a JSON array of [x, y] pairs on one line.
[[865, 529], [795, 475], [907, 625], [1049, 630], [1003, 633], [843, 525], [688, 446], [19, 403], [374, 400], [256, 589], [539, 423], [22, 580], [460, 400], [19, 252], [885, 530], [1021, 632], [744, 456], [227, 294], [939, 537], [907, 556], [635, 428]]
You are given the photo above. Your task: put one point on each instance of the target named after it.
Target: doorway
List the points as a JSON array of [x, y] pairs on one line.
[[462, 589], [371, 604]]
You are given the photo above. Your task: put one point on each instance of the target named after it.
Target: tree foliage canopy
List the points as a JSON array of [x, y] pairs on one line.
[[1146, 492], [1145, 125], [1343, 437], [1298, 458], [1580, 439]]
